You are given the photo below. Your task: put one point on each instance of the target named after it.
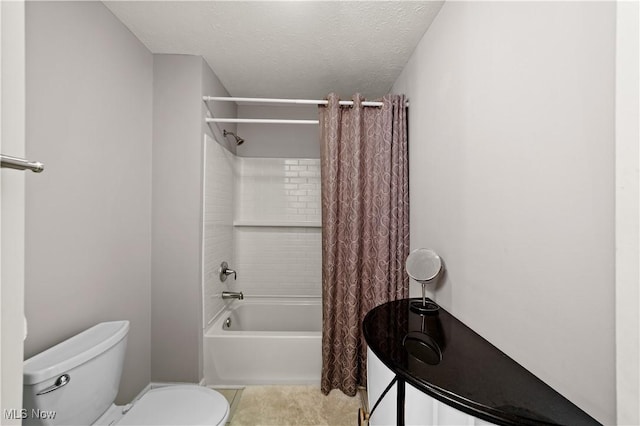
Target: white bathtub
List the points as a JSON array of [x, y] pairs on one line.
[[269, 341]]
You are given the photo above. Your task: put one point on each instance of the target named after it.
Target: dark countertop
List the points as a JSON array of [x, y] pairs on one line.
[[445, 359]]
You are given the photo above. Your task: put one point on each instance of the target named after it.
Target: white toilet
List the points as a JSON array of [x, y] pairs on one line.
[[76, 382]]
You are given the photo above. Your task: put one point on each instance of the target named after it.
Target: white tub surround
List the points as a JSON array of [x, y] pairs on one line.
[[261, 215], [273, 190], [277, 227], [217, 239], [268, 341]]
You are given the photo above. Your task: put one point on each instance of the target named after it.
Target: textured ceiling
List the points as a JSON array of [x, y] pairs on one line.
[[287, 49]]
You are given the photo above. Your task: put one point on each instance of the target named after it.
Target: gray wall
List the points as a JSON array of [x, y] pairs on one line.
[[102, 241], [511, 130], [179, 83], [279, 140], [88, 233], [211, 86], [175, 267]]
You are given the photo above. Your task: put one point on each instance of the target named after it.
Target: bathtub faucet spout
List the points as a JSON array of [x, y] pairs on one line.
[[232, 295]]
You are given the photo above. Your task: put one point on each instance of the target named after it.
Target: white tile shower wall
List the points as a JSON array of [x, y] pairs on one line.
[[278, 260], [275, 190], [218, 225]]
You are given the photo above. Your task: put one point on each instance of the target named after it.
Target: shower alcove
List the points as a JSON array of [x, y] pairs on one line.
[[262, 215]]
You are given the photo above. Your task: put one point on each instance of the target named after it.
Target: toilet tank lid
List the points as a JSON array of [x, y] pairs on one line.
[[74, 351]]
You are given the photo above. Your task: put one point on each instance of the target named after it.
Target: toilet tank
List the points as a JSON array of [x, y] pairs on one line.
[[76, 381]]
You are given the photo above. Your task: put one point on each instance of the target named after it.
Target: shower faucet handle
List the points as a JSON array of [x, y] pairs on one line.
[[225, 272], [229, 272]]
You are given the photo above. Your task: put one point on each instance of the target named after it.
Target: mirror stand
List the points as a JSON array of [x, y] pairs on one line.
[[424, 266], [426, 306]]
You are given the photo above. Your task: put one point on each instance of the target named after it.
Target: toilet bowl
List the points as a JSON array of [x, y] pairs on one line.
[[178, 405], [171, 405], [76, 382]]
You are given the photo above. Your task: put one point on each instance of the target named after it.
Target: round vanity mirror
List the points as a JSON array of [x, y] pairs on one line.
[[423, 265]]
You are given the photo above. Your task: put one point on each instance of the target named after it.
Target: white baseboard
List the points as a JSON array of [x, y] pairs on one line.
[[142, 392], [155, 385]]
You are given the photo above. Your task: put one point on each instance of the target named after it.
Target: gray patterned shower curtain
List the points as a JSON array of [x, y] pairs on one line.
[[365, 227]]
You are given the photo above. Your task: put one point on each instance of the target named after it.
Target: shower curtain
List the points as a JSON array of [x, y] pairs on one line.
[[365, 227]]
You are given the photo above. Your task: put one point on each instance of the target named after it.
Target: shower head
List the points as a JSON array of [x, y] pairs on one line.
[[239, 140]]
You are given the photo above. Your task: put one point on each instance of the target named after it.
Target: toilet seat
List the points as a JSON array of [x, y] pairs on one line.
[[178, 405]]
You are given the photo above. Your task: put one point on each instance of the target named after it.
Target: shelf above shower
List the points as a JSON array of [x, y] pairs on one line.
[[277, 224]]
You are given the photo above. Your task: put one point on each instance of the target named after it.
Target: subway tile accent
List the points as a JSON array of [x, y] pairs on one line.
[[278, 260], [270, 260], [278, 190]]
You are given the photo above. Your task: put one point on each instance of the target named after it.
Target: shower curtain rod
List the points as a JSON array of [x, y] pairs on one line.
[[260, 121], [288, 101], [276, 101]]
